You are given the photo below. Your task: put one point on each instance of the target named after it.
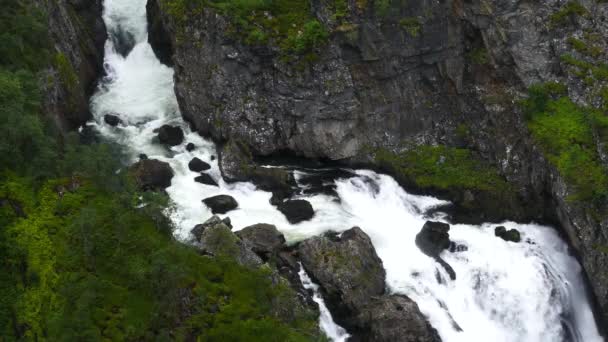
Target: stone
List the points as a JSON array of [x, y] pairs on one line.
[[190, 147], [348, 269], [198, 165], [170, 135], [152, 174], [264, 239], [218, 240], [205, 178], [434, 238], [507, 235], [111, 119], [221, 204], [197, 231], [296, 211]]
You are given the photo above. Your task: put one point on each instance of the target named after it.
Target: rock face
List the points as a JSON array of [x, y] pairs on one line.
[[352, 278], [380, 82], [221, 204], [296, 211], [152, 174], [432, 239], [170, 135], [78, 33]]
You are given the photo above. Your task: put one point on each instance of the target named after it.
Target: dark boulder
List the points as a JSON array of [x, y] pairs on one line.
[[507, 235], [205, 179], [264, 239], [111, 119], [221, 204], [152, 174], [348, 269], [122, 39], [170, 135], [432, 240], [237, 165], [190, 147], [198, 165], [296, 210], [396, 318], [143, 156]]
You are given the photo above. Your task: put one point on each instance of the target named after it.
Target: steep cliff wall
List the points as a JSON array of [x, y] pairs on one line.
[[390, 76], [77, 35]]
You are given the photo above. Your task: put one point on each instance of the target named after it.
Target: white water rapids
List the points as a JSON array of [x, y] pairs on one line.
[[514, 292]]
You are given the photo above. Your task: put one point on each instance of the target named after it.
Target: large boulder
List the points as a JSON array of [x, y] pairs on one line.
[[170, 135], [152, 174], [396, 318], [198, 230], [218, 240], [296, 211], [205, 178], [348, 269], [221, 204], [434, 238], [111, 119], [198, 165], [264, 239], [237, 165]]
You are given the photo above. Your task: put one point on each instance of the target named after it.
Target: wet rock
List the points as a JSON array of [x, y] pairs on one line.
[[296, 211], [190, 147], [264, 239], [221, 204], [434, 238], [237, 165], [348, 269], [111, 119], [323, 181], [198, 165], [396, 318], [170, 135], [143, 156], [205, 178], [455, 248], [152, 174], [122, 39], [507, 235]]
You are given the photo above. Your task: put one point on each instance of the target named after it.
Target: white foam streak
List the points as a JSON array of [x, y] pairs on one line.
[[504, 291]]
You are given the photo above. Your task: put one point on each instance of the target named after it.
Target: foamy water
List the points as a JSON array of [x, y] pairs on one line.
[[504, 291]]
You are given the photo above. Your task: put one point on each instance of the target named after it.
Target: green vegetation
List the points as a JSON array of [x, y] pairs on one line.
[[284, 23], [479, 56], [585, 48], [85, 256], [566, 13], [411, 25], [443, 168], [566, 133]]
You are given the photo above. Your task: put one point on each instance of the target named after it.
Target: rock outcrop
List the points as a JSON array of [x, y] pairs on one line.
[[352, 279], [395, 75], [77, 33]]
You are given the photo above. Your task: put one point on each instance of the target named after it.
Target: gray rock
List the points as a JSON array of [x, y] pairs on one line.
[[170, 135], [111, 119], [264, 239], [218, 240], [205, 178], [152, 174], [198, 230], [347, 268], [434, 238], [198, 165], [397, 318]]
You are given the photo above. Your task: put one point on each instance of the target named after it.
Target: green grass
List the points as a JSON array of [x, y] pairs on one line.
[[565, 131], [443, 168], [566, 13], [287, 24], [411, 25]]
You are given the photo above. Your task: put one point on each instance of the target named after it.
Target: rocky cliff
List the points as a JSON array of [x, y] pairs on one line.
[[77, 35], [373, 81]]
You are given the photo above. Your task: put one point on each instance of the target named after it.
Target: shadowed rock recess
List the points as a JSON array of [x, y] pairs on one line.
[[437, 82]]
